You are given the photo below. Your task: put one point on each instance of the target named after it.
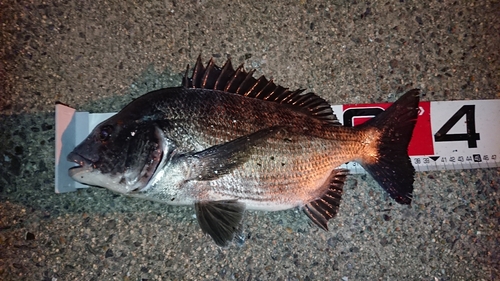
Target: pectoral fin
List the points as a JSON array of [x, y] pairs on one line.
[[221, 159], [220, 219]]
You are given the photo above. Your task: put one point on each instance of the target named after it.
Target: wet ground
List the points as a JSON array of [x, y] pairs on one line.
[[98, 55]]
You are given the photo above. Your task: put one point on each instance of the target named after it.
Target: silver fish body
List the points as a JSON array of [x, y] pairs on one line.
[[287, 161], [226, 142]]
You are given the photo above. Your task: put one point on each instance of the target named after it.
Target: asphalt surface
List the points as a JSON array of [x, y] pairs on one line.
[[98, 55]]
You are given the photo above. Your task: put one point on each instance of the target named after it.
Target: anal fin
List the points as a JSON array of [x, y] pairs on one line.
[[323, 209], [220, 219]]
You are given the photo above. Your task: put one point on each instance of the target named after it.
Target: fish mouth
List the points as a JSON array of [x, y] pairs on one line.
[[83, 164]]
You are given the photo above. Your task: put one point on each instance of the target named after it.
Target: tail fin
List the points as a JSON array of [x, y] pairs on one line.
[[393, 169]]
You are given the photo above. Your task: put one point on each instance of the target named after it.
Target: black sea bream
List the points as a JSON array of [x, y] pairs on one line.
[[226, 142]]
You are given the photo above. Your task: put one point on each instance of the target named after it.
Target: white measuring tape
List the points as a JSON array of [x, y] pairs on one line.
[[449, 135]]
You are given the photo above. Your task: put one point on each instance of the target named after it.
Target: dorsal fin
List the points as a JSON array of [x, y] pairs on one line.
[[243, 83]]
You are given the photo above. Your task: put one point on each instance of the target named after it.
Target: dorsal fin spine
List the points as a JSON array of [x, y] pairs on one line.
[[229, 85], [268, 88], [198, 68], [277, 93], [300, 99], [259, 86], [291, 95], [243, 83], [252, 90], [221, 82], [208, 70], [285, 99], [248, 79]]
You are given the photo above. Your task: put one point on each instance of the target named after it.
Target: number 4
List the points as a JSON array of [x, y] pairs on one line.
[[470, 121]]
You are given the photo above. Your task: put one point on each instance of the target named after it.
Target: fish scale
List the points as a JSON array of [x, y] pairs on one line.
[[301, 169]]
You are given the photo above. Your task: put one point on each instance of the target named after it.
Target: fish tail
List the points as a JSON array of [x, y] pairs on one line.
[[391, 167]]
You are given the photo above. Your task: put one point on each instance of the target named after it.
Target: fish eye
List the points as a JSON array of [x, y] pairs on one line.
[[105, 133]]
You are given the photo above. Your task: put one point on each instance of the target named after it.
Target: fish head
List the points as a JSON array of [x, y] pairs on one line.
[[122, 156]]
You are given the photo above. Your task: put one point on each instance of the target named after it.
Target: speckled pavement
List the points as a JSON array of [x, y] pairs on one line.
[[98, 55]]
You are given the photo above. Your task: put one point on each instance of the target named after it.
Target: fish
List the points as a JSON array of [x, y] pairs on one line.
[[226, 142]]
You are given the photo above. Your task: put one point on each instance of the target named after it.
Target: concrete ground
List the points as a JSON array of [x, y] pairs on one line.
[[97, 55]]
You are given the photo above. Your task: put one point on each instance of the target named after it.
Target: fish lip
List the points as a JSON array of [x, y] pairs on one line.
[[83, 164]]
